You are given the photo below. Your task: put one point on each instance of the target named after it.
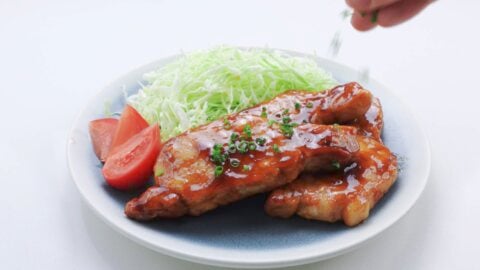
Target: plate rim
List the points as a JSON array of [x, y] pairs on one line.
[[283, 262]]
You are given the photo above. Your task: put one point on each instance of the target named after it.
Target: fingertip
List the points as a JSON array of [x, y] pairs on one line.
[[362, 22]]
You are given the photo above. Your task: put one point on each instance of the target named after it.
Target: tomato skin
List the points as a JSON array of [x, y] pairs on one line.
[[132, 163], [102, 132], [130, 123]]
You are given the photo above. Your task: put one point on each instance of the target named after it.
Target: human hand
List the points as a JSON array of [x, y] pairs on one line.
[[370, 13]]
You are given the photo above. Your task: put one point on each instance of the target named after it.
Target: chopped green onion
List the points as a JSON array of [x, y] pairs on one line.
[[276, 149], [216, 154], [261, 141], [287, 130], [227, 124], [297, 106], [309, 105], [242, 147], [234, 137], [246, 168], [159, 171], [286, 120], [247, 130], [271, 122], [218, 170], [264, 112], [252, 146], [232, 148], [285, 112], [336, 165], [234, 162]]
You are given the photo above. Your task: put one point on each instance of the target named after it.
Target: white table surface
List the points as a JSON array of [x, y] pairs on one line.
[[54, 56]]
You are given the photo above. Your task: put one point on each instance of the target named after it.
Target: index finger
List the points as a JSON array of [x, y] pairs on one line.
[[369, 5]]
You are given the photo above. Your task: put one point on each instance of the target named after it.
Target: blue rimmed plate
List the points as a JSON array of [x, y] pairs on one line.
[[241, 234]]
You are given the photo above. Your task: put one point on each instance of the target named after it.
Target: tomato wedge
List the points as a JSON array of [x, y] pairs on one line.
[[101, 133], [132, 163], [130, 123]]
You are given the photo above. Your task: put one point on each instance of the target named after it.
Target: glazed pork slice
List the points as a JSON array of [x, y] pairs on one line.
[[200, 170], [346, 195], [346, 103], [253, 151]]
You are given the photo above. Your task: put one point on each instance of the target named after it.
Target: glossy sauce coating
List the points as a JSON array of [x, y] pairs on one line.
[[346, 195], [188, 180], [370, 124], [189, 170], [341, 104]]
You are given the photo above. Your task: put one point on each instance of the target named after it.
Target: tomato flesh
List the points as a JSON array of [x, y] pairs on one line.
[[132, 163], [102, 132], [130, 123]]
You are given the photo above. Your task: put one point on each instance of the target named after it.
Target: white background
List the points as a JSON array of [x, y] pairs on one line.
[[55, 55]]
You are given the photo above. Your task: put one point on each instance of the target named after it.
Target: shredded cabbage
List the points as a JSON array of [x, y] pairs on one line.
[[203, 86]]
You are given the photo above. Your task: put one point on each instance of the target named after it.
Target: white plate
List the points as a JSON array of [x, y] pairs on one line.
[[241, 235]]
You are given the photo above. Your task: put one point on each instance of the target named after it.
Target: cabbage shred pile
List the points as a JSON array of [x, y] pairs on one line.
[[203, 86]]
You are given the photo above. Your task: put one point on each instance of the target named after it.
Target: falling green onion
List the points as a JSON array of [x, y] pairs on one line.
[[374, 17]]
